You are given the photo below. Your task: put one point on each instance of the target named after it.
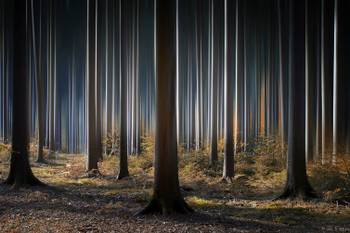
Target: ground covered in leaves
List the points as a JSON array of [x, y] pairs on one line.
[[76, 203]]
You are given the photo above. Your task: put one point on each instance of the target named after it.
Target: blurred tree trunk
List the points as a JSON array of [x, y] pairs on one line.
[[214, 86], [52, 78], [5, 68], [297, 185], [91, 88], [37, 49], [123, 138], [230, 28], [343, 95], [312, 61], [327, 23], [166, 194]]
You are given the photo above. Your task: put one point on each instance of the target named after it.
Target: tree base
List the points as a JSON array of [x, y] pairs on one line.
[[227, 179], [52, 155], [158, 206], [29, 181], [122, 175], [93, 173], [213, 162], [292, 193], [41, 160]]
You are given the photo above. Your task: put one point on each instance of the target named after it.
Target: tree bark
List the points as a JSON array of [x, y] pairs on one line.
[[39, 85], [311, 76], [123, 152], [52, 79], [91, 90], [20, 172], [214, 122], [230, 19], [167, 198], [5, 70], [297, 185], [343, 108], [327, 22]]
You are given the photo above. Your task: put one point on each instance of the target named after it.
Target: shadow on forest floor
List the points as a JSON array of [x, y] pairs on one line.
[[73, 203]]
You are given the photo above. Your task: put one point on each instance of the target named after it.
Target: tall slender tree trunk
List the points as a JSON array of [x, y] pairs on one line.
[[230, 18], [327, 21], [166, 191], [5, 66], [281, 80], [335, 84], [297, 185], [343, 95], [39, 84], [123, 138], [317, 9], [311, 77], [91, 87], [20, 171], [52, 81], [239, 76], [214, 81]]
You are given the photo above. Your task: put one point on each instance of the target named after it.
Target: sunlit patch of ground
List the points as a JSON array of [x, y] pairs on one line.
[[74, 203]]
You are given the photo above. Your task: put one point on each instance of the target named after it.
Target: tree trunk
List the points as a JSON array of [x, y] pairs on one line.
[[335, 84], [52, 81], [123, 152], [343, 108], [327, 22], [39, 85], [214, 132], [167, 198], [5, 71], [282, 76], [20, 171], [230, 19], [297, 185], [311, 76], [92, 152]]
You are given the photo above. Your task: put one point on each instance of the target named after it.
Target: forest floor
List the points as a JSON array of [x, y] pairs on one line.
[[75, 203]]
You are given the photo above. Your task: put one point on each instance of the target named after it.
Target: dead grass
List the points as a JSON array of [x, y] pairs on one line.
[[104, 204]]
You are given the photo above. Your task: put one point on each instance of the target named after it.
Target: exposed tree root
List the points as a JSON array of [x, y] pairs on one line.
[[157, 206]]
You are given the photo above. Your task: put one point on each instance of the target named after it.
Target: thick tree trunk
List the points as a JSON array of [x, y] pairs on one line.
[[230, 26], [327, 21], [343, 108], [123, 138], [20, 171], [92, 149], [297, 185], [167, 198]]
